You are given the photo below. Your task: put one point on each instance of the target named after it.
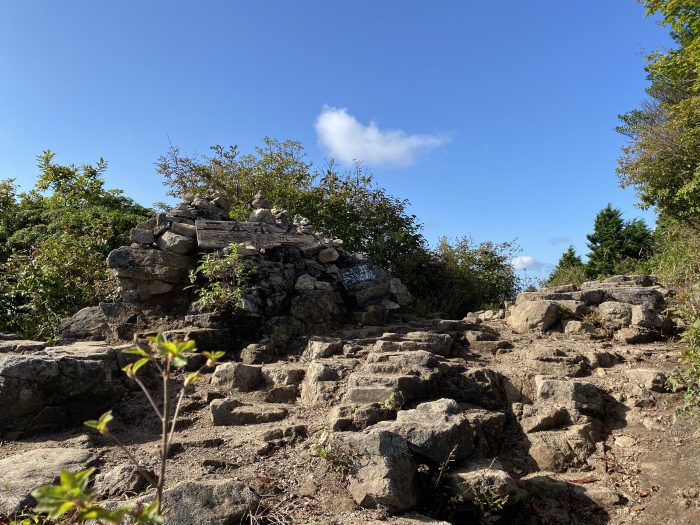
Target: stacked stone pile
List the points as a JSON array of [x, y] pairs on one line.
[[301, 280]]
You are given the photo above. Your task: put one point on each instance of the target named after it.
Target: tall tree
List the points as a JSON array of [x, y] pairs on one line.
[[606, 243], [662, 158], [617, 246]]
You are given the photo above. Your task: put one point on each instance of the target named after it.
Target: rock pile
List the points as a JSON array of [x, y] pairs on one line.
[[301, 282], [630, 308]]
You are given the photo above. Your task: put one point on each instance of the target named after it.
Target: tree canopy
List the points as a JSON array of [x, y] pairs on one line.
[[662, 157], [54, 241]]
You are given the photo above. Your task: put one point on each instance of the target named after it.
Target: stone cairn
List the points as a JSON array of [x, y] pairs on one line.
[[303, 281]]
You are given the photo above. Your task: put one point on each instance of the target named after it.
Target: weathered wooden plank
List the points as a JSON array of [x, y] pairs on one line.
[[213, 235]]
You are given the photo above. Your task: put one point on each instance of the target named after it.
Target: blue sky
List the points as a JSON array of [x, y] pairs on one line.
[[495, 119]]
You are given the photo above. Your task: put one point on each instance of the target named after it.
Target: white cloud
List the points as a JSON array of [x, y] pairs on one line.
[[527, 262], [348, 140]]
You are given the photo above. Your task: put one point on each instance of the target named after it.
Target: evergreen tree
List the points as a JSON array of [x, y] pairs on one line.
[[569, 259], [606, 243], [617, 246], [569, 270], [638, 240]]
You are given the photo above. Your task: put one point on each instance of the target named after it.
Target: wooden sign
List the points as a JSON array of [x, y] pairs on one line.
[[212, 235]]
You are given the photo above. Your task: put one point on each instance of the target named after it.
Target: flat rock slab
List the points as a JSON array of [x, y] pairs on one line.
[[22, 473], [229, 412], [437, 430], [21, 346]]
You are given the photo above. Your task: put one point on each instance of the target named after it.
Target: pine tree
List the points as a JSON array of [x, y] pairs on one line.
[[569, 270], [606, 243], [617, 246], [569, 259]]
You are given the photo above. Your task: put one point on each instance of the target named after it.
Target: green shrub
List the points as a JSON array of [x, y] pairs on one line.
[[676, 260], [463, 276], [688, 378], [569, 270], [53, 244], [560, 276], [220, 279]]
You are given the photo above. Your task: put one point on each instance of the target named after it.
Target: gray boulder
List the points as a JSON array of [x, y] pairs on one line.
[[485, 480], [208, 502], [615, 315], [322, 347], [141, 236], [176, 243], [121, 480], [381, 468], [436, 430], [533, 316], [237, 376], [57, 385], [21, 473], [578, 397], [143, 264], [651, 379], [230, 412]]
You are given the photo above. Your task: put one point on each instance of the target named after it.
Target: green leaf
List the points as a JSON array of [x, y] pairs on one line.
[[56, 500], [138, 364], [101, 424], [213, 357], [179, 361], [95, 512], [137, 351], [193, 378], [128, 370], [147, 514]]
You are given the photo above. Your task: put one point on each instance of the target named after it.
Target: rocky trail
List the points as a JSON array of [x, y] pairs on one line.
[[336, 405], [533, 428]]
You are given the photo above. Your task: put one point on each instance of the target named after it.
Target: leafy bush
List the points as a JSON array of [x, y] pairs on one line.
[[53, 244], [688, 378], [350, 206], [221, 279], [573, 275], [278, 168], [346, 205], [464, 276], [676, 259]]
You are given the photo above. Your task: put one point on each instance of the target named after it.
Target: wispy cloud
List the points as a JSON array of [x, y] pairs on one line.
[[348, 140], [527, 262], [556, 241]]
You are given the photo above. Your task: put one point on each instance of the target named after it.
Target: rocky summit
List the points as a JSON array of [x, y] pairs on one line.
[[337, 405]]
